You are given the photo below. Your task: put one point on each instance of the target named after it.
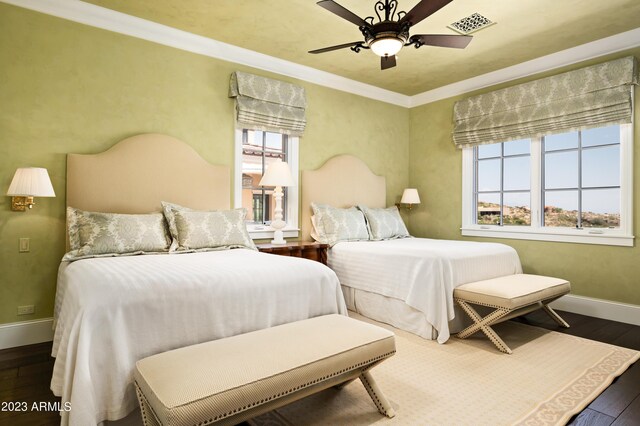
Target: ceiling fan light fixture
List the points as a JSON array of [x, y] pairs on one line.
[[387, 46]]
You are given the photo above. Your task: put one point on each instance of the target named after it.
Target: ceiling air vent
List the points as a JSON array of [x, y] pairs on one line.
[[471, 24]]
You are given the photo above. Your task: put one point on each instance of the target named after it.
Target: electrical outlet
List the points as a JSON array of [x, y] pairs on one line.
[[24, 245], [26, 310]]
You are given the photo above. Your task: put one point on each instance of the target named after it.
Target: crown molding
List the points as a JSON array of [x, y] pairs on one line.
[[584, 52], [111, 20]]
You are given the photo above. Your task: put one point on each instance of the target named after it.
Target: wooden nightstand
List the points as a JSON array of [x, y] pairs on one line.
[[305, 249]]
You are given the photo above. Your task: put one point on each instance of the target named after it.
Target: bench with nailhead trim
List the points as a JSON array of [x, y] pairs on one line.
[[510, 296], [230, 380]]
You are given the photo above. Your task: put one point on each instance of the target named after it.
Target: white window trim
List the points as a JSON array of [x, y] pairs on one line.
[[614, 237], [259, 232]]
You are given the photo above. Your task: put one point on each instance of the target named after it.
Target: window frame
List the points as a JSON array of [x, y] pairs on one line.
[[623, 236], [260, 231]]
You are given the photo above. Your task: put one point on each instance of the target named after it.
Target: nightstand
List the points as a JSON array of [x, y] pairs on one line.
[[305, 249]]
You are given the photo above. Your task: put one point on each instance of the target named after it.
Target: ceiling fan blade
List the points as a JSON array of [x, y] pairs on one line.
[[339, 46], [387, 62], [422, 10], [443, 40], [334, 7]]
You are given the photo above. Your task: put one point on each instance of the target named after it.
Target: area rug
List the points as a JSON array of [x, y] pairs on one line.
[[549, 377]]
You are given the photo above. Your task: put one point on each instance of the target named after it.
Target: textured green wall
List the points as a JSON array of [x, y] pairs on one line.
[[66, 87], [435, 165]]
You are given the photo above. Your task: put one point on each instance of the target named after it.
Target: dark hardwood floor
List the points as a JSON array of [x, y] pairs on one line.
[[25, 375]]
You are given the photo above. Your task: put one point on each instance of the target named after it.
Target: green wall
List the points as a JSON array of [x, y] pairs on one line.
[[70, 88], [66, 87], [435, 165]]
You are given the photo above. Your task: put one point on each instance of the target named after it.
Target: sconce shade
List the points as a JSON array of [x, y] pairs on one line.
[[410, 196], [277, 174], [31, 182]]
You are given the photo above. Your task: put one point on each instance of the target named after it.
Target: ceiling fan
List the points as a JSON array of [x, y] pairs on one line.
[[391, 33]]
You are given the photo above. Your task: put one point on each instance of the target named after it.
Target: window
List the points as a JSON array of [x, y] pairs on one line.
[[572, 187], [255, 150]]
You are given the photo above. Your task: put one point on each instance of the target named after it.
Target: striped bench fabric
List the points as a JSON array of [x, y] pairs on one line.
[[510, 296], [230, 380]]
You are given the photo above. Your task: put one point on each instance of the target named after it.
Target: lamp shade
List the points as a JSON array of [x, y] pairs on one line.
[[277, 174], [31, 182], [410, 196]]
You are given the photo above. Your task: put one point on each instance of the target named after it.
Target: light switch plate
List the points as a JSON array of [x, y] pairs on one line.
[[24, 245]]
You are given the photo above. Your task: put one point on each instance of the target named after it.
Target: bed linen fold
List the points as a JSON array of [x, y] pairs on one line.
[[111, 312], [421, 272]]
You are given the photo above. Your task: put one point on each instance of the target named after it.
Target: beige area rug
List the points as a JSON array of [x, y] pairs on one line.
[[549, 377]]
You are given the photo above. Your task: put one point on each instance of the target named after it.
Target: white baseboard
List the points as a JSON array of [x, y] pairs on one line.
[[26, 333], [605, 309]]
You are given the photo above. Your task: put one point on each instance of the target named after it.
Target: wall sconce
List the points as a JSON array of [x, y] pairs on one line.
[[29, 182], [278, 174], [410, 197]]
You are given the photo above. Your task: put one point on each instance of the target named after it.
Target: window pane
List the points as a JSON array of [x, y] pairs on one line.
[[561, 141], [601, 166], [517, 209], [561, 170], [489, 175], [517, 147], [274, 142], [491, 150], [488, 209], [517, 173], [601, 136], [561, 208], [601, 208]]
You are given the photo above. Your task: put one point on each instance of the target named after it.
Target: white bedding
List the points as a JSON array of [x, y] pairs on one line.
[[111, 312], [421, 272]]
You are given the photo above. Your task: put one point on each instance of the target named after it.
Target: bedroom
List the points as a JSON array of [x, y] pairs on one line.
[[74, 83]]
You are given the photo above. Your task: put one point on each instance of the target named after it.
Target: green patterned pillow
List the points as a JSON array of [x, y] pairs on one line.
[[215, 230], [385, 224], [93, 234], [333, 225], [169, 210]]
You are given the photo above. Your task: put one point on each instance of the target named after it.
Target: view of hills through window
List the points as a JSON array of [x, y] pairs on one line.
[[579, 180]]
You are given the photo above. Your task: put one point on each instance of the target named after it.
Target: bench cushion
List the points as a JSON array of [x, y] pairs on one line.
[[512, 291], [214, 380]]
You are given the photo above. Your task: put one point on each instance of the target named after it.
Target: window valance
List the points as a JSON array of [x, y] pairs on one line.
[[598, 95], [266, 104]]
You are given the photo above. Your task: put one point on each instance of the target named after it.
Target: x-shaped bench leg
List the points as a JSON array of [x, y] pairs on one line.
[[484, 324], [553, 314], [383, 405]]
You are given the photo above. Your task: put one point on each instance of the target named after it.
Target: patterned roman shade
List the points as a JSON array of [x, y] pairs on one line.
[[598, 95], [266, 104]]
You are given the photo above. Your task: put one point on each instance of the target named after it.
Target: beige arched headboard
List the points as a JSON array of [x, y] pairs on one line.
[[343, 181], [139, 172]]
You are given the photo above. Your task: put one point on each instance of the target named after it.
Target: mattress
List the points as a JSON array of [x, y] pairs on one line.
[[111, 312], [420, 273]]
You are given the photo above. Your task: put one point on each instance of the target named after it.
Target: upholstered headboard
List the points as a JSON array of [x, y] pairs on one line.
[[136, 174], [343, 181]]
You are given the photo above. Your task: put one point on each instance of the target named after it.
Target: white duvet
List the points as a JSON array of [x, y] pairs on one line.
[[111, 312], [421, 272]]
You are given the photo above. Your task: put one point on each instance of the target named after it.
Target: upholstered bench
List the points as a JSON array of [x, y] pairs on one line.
[[510, 296], [230, 380]]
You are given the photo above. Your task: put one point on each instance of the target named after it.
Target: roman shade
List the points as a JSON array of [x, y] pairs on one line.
[[594, 96], [266, 104]]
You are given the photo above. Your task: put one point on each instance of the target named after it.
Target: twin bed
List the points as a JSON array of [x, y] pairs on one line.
[[112, 311], [406, 282]]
